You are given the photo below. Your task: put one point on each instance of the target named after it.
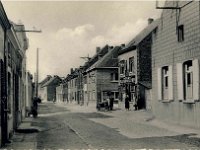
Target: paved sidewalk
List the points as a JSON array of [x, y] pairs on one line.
[[24, 137], [128, 123]]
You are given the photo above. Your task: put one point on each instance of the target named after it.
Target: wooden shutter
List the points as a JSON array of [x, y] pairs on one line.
[[159, 83], [179, 67], [170, 92], [195, 64]]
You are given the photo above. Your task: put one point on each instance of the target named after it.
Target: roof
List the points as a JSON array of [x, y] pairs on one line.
[[45, 80], [95, 58], [108, 60], [137, 39], [54, 80]]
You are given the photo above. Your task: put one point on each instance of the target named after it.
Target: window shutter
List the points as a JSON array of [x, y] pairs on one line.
[[180, 81], [159, 82], [170, 83], [195, 79]]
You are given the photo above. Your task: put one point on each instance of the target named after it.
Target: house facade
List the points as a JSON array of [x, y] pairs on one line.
[[101, 78], [175, 64], [41, 90], [4, 27], [49, 88], [135, 68], [16, 46]]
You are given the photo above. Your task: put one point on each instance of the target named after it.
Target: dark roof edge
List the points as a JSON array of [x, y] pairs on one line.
[[127, 49]]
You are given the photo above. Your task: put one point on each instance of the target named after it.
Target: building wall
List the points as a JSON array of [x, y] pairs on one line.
[[104, 83], [167, 51], [144, 59], [91, 87], [59, 93], [51, 93], [122, 90]]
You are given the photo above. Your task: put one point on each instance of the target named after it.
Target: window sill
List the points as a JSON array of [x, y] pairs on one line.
[[114, 81], [189, 102], [167, 101]]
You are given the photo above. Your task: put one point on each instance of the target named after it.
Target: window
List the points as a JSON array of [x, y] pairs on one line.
[[180, 33], [122, 67], [188, 80], [131, 65], [165, 83], [114, 76], [75, 82]]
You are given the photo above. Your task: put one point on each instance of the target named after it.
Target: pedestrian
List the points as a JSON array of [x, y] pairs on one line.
[[127, 102], [111, 102]]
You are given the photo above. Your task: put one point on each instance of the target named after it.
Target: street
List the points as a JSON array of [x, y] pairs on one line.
[[61, 128]]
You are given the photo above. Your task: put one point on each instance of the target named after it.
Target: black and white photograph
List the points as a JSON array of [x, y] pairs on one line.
[[99, 75]]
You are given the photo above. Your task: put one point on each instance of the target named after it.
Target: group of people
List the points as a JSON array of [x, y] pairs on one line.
[[127, 104]]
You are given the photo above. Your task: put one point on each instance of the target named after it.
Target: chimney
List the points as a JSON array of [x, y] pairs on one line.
[[111, 47], [150, 20], [72, 70], [98, 49], [123, 45]]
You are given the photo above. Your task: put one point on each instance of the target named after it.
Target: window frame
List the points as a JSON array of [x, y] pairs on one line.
[[132, 64], [180, 33]]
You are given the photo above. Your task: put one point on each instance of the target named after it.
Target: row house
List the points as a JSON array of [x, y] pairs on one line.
[[48, 88], [88, 91], [16, 46], [101, 78], [135, 68], [59, 93], [175, 64], [41, 90], [72, 85], [13, 46]]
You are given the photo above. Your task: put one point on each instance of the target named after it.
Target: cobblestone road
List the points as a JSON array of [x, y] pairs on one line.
[[77, 130], [62, 129]]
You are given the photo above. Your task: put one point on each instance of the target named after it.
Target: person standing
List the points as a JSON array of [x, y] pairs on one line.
[[127, 102]]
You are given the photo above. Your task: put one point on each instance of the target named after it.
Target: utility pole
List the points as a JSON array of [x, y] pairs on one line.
[[37, 72]]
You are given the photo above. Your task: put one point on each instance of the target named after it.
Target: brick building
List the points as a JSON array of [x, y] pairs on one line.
[[175, 64], [102, 76], [135, 68]]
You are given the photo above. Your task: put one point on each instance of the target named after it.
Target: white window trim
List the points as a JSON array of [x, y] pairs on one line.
[[180, 82], [170, 84]]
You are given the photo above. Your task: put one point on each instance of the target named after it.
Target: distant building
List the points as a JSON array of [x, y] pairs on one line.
[[135, 68], [101, 78], [175, 64], [41, 91], [49, 88]]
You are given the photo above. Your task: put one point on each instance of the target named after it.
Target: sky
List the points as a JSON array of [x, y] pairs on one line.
[[73, 29]]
